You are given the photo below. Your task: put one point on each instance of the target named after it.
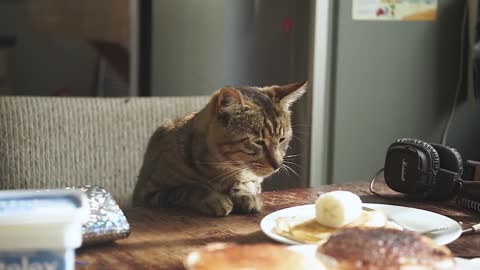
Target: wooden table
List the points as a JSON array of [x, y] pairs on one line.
[[161, 238]]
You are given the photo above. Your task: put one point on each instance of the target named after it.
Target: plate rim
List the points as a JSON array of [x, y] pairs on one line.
[[456, 231]]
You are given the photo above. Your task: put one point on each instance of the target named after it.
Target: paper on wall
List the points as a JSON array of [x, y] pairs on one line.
[[395, 10]]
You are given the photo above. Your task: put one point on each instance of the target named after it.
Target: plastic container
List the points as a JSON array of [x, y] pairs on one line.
[[41, 229]]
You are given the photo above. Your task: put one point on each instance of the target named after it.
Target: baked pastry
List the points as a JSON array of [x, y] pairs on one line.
[[383, 249], [253, 257]]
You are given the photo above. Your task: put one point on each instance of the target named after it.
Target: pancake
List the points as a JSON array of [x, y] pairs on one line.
[[383, 249], [309, 231], [254, 257]]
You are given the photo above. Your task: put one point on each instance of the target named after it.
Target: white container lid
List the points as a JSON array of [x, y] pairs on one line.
[[31, 219]]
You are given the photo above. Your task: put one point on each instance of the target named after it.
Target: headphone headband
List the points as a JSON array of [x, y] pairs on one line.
[[432, 171]]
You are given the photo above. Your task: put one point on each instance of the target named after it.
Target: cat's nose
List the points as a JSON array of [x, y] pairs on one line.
[[275, 159], [276, 164]]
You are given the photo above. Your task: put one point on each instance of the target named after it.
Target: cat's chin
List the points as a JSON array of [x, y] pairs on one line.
[[263, 174]]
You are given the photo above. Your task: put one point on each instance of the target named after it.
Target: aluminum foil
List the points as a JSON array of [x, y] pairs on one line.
[[107, 221]]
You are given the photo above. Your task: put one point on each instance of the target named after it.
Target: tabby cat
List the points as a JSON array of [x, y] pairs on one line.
[[215, 160]]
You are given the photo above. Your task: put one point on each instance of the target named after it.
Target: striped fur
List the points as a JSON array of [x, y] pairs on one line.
[[215, 160]]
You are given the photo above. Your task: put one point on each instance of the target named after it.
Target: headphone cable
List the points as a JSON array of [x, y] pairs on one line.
[[460, 79]]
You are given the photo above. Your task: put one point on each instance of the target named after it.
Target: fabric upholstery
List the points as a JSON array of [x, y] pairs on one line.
[[56, 142]]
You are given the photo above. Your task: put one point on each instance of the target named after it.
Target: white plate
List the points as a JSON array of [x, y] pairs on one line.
[[462, 264], [411, 218]]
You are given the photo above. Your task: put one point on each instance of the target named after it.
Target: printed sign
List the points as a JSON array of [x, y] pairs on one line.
[[395, 10], [35, 260]]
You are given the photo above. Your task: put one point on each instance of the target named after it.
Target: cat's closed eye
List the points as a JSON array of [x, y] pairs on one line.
[[249, 152], [259, 142], [282, 140]]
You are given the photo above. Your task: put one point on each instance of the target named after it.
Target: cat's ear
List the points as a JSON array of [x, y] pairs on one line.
[[227, 99], [285, 95]]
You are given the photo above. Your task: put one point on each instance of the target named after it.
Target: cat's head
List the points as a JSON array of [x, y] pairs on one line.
[[251, 126]]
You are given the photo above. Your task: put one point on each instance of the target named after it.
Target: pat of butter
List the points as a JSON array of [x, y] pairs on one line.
[[41, 229]]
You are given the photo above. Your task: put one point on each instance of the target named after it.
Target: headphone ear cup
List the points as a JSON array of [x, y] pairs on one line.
[[450, 158], [431, 149]]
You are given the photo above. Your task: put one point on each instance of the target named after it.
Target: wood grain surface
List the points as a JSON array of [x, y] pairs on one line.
[[161, 238]]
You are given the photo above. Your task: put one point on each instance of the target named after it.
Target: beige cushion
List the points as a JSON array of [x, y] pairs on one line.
[[53, 142]]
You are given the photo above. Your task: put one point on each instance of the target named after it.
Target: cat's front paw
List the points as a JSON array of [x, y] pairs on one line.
[[217, 205], [247, 203]]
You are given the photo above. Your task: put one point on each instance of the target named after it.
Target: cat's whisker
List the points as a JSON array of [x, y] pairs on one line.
[[289, 147], [291, 170], [298, 138], [225, 173], [289, 156], [293, 163], [285, 171], [230, 174], [221, 154], [301, 132], [242, 170], [226, 176], [235, 172], [288, 167], [217, 163], [301, 125]]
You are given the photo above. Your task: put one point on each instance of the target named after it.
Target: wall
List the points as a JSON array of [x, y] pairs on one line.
[[10, 19], [200, 46], [393, 80], [43, 64], [187, 54]]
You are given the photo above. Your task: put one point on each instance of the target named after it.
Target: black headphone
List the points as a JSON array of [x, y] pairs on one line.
[[429, 171]]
